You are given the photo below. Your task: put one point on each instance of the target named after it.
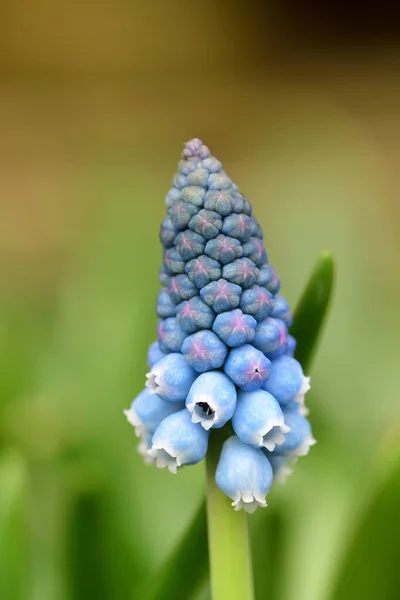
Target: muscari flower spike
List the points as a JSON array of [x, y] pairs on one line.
[[223, 357]]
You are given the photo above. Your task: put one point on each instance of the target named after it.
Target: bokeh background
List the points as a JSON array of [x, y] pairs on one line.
[[301, 103]]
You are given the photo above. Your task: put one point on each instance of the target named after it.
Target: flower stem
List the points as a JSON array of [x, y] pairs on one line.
[[228, 538]]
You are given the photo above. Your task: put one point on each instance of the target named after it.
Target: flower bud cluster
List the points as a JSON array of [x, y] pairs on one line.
[[223, 352]]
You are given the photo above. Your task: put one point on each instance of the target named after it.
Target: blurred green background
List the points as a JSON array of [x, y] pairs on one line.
[[301, 103]]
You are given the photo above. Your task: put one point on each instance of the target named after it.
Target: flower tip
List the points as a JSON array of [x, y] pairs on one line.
[[283, 474], [304, 448], [208, 424], [195, 417], [163, 458], [305, 385], [303, 410], [195, 147], [275, 436], [249, 503], [134, 420], [151, 383]]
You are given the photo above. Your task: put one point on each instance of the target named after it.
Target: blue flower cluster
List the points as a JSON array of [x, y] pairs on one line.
[[223, 352]]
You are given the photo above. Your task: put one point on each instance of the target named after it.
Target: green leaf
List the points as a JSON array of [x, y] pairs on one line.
[[308, 320], [101, 561], [268, 531], [14, 543], [312, 309], [190, 558], [370, 565], [86, 562], [184, 571]]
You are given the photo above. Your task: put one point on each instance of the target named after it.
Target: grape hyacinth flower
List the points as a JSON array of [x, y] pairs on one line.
[[259, 420], [223, 359], [247, 367], [244, 474], [148, 410], [212, 399], [171, 378], [177, 441]]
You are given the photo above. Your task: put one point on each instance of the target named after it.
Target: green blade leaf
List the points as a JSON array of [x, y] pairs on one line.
[[312, 309], [190, 559], [181, 575], [269, 527], [369, 568], [14, 542]]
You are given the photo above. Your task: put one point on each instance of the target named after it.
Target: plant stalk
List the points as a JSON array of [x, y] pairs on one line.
[[228, 537]]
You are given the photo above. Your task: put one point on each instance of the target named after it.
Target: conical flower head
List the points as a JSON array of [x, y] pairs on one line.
[[223, 351]]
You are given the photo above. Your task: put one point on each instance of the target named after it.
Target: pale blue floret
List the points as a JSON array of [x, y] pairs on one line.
[[170, 335], [267, 277], [282, 311], [187, 166], [181, 214], [212, 164], [164, 278], [247, 367], [285, 379], [206, 223], [259, 420], [173, 262], [212, 399], [248, 210], [235, 328], [255, 251], [194, 314], [238, 226], [291, 345], [181, 288], [281, 465], [148, 410], [220, 201], [256, 301], [244, 474], [179, 181], [204, 351], [221, 295], [154, 354], [242, 271], [193, 194], [192, 147], [202, 270], [219, 181], [165, 307], [299, 439], [240, 203], [190, 244], [256, 230], [177, 441], [168, 232], [224, 249], [271, 337], [171, 378], [144, 446], [198, 177], [195, 148], [237, 202], [172, 197], [298, 403]]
